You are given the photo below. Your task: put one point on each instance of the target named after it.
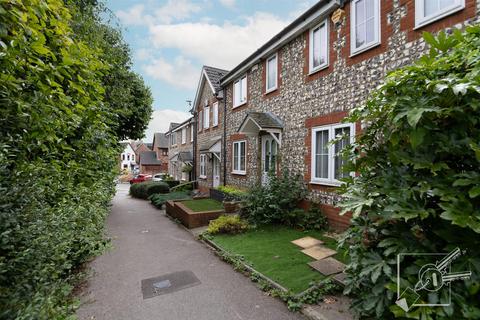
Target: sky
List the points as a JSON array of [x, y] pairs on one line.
[[172, 39]]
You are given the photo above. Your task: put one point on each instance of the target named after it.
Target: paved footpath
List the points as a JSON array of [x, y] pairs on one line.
[[147, 244]]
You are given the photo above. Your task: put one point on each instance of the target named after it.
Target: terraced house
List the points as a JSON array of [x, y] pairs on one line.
[[180, 150], [287, 100], [208, 108]]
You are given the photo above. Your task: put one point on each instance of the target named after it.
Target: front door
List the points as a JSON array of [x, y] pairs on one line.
[[216, 171], [269, 157]]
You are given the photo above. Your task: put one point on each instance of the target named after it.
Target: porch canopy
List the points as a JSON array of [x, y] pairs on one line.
[[185, 157], [212, 146], [257, 122]]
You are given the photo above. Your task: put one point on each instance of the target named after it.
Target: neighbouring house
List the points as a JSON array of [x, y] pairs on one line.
[[180, 151], [208, 108], [286, 101], [160, 146], [149, 164], [127, 157], [139, 146]]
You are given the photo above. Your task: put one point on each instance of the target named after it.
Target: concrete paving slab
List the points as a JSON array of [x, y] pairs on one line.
[[319, 252], [340, 278], [307, 242], [327, 266], [332, 308]]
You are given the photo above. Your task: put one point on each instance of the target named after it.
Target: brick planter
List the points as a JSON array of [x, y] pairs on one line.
[[189, 218]]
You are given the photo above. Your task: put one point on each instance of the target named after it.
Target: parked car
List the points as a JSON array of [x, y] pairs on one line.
[[158, 177], [141, 178]]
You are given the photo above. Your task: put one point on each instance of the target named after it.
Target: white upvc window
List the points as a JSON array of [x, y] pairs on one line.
[[173, 139], [206, 120], [327, 162], [240, 91], [200, 120], [191, 132], [239, 157], [133, 157], [427, 11], [203, 166], [319, 47], [184, 135], [271, 73], [215, 114], [365, 25]]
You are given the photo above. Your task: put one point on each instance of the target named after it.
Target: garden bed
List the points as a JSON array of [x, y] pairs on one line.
[[194, 213], [269, 250]]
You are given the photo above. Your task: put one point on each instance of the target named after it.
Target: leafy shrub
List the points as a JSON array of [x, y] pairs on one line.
[[271, 203], [172, 183], [187, 186], [144, 190], [232, 193], [158, 200], [418, 183], [312, 219], [231, 224]]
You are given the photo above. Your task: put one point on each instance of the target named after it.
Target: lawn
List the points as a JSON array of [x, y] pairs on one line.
[[269, 251], [203, 205]]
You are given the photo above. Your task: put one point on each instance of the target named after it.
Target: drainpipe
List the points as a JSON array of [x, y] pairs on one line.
[[194, 147], [224, 156]]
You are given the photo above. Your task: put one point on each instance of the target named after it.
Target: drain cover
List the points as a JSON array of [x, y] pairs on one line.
[[168, 283]]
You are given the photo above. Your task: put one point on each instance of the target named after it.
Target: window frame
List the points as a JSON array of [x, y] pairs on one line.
[[312, 69], [173, 139], [215, 114], [203, 166], [267, 70], [239, 163], [353, 30], [200, 120], [239, 80], [184, 135], [421, 20], [330, 180], [191, 132], [206, 117]]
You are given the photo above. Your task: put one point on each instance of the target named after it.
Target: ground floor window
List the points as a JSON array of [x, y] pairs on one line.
[[239, 157], [327, 162], [203, 166]]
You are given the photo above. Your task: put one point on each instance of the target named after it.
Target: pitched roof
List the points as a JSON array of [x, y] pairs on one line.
[[173, 125], [265, 120], [185, 156], [162, 140], [214, 75], [210, 143], [149, 158]]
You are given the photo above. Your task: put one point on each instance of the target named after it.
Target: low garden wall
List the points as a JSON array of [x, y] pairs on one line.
[[189, 218]]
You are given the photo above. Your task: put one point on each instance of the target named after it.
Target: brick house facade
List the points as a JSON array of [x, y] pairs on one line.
[[209, 113], [180, 149], [301, 105]]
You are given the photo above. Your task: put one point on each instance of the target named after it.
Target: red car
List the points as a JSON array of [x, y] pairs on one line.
[[141, 178]]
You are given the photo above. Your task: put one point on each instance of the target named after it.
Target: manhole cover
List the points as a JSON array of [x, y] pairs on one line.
[[168, 283]]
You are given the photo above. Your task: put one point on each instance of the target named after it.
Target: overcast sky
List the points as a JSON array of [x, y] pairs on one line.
[[172, 39]]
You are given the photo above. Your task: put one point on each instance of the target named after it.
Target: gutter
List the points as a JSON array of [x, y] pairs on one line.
[[224, 149]]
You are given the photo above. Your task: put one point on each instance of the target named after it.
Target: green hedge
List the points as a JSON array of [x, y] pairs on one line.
[[158, 200], [144, 190], [172, 183]]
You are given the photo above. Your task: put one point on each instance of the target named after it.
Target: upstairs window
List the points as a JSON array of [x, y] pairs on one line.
[[173, 139], [123, 156], [240, 91], [215, 114], [200, 121], [133, 157], [184, 135], [327, 161], [191, 132], [365, 22], [318, 49], [206, 120], [272, 72], [427, 11]]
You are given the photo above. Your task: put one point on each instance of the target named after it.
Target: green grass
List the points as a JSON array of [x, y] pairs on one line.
[[203, 205], [269, 250]]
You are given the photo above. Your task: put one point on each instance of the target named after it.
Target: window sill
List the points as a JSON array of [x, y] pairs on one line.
[[432, 19], [362, 50], [271, 90], [239, 105], [326, 183], [202, 177], [240, 173], [318, 69]]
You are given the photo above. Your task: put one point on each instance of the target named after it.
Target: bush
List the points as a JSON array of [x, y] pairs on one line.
[[227, 224], [271, 203], [312, 219], [158, 200], [418, 187], [144, 190], [172, 183], [232, 193]]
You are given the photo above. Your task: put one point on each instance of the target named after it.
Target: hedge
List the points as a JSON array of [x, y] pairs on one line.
[[144, 190]]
